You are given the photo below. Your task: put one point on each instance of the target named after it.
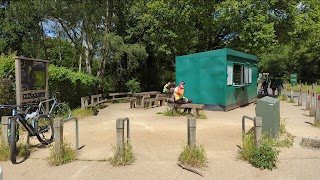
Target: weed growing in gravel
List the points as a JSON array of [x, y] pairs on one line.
[[283, 97], [284, 138], [263, 157], [291, 100], [68, 155], [82, 112], [22, 151], [316, 124], [124, 157], [4, 152], [195, 157]]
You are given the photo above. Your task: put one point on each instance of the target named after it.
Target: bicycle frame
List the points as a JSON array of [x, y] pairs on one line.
[[55, 103], [23, 121]]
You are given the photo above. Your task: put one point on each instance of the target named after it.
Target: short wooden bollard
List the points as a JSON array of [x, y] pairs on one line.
[[4, 124], [291, 94], [300, 98], [1, 176], [257, 131], [313, 105], [308, 100], [58, 132], [120, 133], [317, 117], [192, 128]]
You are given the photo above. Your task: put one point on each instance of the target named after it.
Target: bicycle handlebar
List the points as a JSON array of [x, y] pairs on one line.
[[4, 106]]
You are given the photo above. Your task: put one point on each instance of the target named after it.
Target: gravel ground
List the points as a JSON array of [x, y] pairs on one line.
[[157, 142]]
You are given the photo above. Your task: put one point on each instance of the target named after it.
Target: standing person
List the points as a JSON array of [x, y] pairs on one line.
[[178, 96], [265, 87], [273, 86], [280, 86]]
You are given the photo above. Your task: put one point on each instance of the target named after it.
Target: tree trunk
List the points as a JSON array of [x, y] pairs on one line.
[[104, 53], [87, 56]]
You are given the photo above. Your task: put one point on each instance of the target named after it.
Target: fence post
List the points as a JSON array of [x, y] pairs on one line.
[[291, 94], [120, 134], [192, 128], [308, 100], [58, 131], [313, 105], [257, 131], [300, 97], [317, 117], [1, 176], [4, 123]]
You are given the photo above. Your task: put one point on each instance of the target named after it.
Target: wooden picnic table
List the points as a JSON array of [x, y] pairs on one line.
[[142, 95]]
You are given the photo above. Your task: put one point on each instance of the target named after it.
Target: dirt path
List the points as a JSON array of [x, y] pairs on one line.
[[157, 141]]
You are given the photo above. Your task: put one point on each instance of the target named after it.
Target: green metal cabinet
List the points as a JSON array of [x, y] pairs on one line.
[[210, 78], [269, 109]]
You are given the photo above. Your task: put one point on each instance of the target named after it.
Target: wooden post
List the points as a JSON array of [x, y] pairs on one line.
[[4, 123], [257, 131], [58, 132], [1, 176], [120, 134], [192, 127], [313, 106], [317, 117], [291, 94], [308, 100], [300, 97]]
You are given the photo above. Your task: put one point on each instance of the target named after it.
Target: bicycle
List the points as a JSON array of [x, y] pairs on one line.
[[57, 109], [42, 128]]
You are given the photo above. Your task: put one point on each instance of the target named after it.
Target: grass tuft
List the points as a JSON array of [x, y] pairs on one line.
[[68, 155], [4, 152], [83, 112], [124, 157], [194, 157]]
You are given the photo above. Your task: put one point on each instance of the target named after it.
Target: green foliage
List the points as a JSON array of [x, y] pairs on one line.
[[68, 155], [7, 67], [133, 86], [67, 82], [124, 157], [264, 157], [195, 157]]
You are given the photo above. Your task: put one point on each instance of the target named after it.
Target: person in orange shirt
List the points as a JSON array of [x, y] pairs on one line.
[[178, 95]]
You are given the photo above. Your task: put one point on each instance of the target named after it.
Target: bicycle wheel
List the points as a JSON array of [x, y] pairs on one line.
[[44, 129], [12, 140], [62, 110]]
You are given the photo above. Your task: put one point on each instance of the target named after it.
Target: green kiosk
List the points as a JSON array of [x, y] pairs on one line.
[[221, 79]]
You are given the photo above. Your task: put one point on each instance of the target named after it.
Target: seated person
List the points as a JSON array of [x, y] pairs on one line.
[[166, 87], [178, 96]]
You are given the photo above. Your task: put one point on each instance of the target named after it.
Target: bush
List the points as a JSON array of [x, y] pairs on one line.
[[133, 86], [195, 157], [83, 112], [71, 85], [264, 157]]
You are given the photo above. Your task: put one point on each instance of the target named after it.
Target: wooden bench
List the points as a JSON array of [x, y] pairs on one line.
[[95, 101], [132, 102], [194, 107], [153, 102], [123, 96]]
